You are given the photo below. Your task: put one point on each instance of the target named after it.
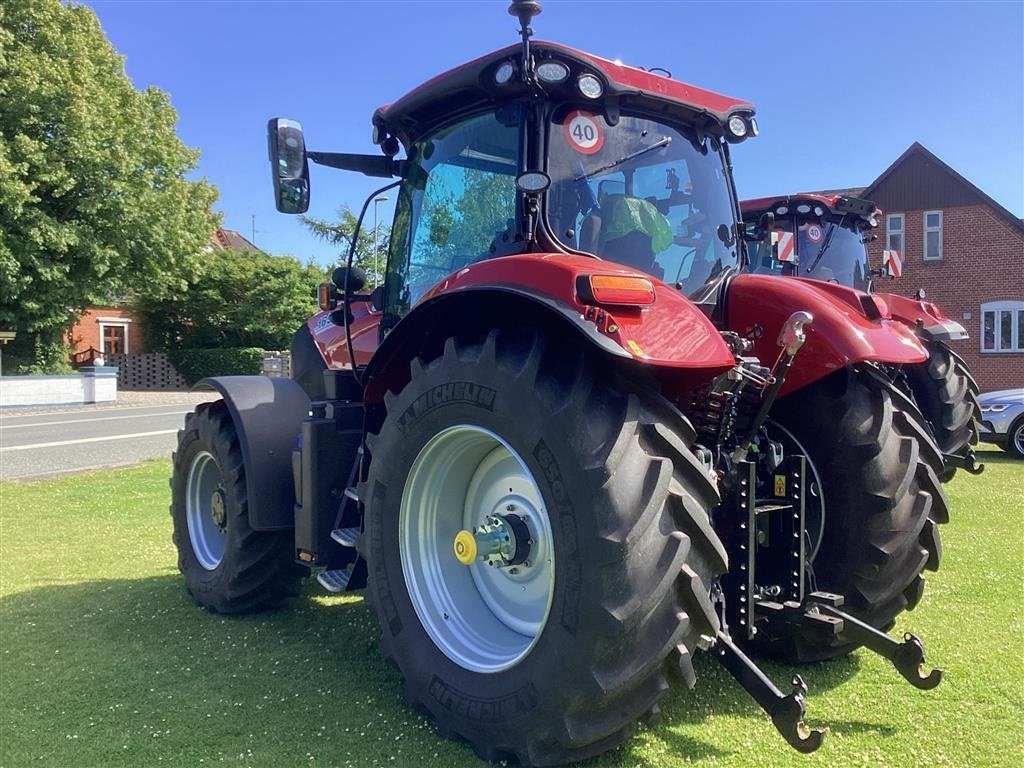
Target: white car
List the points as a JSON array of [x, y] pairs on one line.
[[1002, 416]]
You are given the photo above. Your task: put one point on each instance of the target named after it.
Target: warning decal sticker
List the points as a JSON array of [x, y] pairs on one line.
[[583, 132], [814, 233], [784, 243], [892, 262]]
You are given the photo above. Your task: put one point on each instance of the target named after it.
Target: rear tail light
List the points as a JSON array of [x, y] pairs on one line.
[[615, 289]]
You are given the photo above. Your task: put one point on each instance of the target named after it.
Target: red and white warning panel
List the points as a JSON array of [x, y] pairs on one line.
[[785, 245], [583, 131], [892, 262]]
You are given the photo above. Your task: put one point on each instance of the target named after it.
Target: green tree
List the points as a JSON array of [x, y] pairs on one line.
[[340, 233], [236, 299], [94, 203]]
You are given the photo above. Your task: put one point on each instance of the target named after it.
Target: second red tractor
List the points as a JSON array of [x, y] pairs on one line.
[[823, 238]]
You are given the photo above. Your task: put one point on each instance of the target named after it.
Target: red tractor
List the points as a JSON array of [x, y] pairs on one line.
[[824, 237], [569, 443]]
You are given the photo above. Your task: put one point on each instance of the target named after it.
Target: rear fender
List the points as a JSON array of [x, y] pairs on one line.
[[842, 334], [924, 317], [671, 335], [267, 414]]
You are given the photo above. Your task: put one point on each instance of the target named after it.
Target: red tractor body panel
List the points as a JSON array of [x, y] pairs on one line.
[[330, 338], [670, 332], [912, 311], [842, 333], [923, 316]]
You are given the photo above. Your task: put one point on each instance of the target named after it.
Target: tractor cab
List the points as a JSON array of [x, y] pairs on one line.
[[543, 149], [822, 237]]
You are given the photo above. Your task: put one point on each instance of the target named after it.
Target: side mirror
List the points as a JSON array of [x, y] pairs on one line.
[[356, 279], [289, 167], [724, 233]]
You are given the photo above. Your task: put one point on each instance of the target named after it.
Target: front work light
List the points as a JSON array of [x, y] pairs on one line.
[[737, 126], [504, 73], [552, 71], [590, 86], [615, 289]]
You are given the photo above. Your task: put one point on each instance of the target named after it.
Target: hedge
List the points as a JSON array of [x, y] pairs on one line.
[[196, 364]]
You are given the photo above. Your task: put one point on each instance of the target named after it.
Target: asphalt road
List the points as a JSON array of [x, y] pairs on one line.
[[47, 444]]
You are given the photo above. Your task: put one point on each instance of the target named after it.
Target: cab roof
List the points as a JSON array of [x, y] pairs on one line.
[[833, 204], [471, 86]]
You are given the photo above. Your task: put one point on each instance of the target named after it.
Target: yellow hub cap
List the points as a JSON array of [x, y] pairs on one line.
[[465, 547]]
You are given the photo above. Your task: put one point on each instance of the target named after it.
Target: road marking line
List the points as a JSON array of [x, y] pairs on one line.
[[86, 440], [85, 421], [73, 410]]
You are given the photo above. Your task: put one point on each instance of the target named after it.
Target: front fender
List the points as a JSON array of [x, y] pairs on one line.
[[925, 317], [670, 334], [267, 414], [842, 334]]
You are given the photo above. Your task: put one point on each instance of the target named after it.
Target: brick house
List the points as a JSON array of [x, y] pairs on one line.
[[104, 331], [964, 249], [114, 330]]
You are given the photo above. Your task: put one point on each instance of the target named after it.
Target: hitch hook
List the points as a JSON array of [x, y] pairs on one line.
[[786, 711], [966, 461], [908, 659]]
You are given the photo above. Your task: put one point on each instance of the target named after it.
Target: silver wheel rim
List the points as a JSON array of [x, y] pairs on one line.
[[204, 513], [1018, 439], [814, 500], [483, 618]]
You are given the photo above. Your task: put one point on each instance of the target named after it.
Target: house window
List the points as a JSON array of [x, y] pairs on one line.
[[113, 336], [894, 232], [932, 235], [1002, 326]]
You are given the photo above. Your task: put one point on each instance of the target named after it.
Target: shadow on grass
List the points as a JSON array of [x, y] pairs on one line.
[[129, 672]]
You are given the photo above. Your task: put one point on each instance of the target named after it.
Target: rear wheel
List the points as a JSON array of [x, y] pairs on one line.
[[592, 511], [948, 398], [873, 504], [228, 566]]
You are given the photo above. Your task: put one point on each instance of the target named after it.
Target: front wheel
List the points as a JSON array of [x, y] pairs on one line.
[[538, 546], [873, 505], [228, 566]]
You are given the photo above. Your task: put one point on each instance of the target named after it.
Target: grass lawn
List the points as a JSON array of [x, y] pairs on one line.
[[104, 660]]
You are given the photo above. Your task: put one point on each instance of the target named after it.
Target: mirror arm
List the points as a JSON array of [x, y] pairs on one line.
[[368, 165]]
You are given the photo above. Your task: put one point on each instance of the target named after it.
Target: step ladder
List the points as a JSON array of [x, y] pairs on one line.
[[337, 580]]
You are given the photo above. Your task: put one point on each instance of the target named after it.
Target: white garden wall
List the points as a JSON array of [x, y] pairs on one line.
[[91, 385]]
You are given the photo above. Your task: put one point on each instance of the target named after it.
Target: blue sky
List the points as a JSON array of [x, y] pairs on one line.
[[842, 89]]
